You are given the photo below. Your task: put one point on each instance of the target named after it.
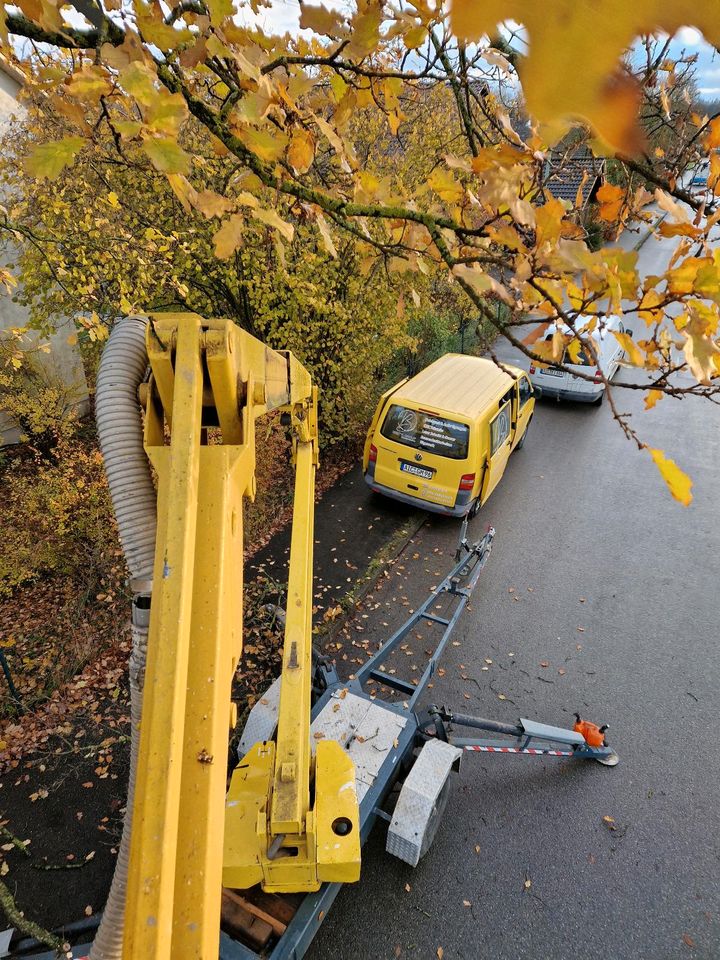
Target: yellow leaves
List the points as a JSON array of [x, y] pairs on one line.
[[365, 31], [575, 50], [573, 351], [321, 20], [666, 202], [48, 160], [395, 118], [652, 398], [229, 237], [301, 151], [415, 37], [266, 144], [392, 88], [166, 155], [343, 151], [325, 233], [7, 279], [128, 129], [701, 351], [219, 10], [89, 84], [679, 483], [678, 230], [138, 80], [632, 350], [481, 282], [615, 113], [682, 279], [153, 28], [611, 200], [183, 190], [338, 86], [548, 222], [648, 307], [272, 219], [711, 140], [167, 113], [445, 186]]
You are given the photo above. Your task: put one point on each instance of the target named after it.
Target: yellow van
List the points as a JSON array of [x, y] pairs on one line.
[[442, 439]]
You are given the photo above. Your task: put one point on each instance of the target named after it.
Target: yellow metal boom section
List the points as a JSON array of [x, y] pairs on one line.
[[210, 375]]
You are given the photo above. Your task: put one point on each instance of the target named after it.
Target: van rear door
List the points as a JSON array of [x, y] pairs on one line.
[[422, 453], [500, 447], [380, 409]]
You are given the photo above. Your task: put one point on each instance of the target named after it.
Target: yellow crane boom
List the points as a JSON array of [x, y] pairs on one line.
[[290, 822]]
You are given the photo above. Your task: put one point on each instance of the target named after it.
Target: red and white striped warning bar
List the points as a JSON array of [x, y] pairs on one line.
[[531, 750]]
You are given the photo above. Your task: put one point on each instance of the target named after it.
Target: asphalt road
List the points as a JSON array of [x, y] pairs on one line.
[[599, 573]]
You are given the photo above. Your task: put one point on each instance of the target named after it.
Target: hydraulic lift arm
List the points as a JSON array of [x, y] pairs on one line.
[[210, 382]]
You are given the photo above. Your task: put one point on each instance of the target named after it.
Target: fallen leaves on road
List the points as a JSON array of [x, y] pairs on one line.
[[688, 940]]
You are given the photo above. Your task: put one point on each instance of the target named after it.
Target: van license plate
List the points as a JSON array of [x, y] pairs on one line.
[[549, 372], [417, 471]]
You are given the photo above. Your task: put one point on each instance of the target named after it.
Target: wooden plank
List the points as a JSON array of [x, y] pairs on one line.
[[242, 924], [278, 927], [281, 906]]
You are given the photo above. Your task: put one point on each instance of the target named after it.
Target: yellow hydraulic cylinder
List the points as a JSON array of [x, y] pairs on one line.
[[291, 787]]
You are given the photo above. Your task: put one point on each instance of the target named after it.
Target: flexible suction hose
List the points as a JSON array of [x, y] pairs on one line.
[[117, 409]]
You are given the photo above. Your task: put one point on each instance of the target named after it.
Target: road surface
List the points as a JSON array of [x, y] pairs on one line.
[[598, 573]]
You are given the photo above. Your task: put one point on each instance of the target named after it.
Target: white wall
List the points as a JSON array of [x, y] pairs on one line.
[[63, 359]]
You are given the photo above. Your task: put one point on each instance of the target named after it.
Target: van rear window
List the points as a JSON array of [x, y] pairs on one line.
[[582, 361], [425, 431]]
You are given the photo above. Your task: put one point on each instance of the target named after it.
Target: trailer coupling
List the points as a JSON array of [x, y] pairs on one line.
[[586, 741]]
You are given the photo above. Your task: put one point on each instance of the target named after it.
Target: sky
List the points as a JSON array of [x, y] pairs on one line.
[[708, 63]]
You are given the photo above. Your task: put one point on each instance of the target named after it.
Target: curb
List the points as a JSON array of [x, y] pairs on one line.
[[643, 240]]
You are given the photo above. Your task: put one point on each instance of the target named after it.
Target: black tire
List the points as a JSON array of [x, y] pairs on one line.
[[598, 402], [474, 509]]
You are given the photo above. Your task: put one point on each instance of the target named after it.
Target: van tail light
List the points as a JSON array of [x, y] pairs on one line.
[[467, 481], [532, 368], [598, 377], [372, 457]]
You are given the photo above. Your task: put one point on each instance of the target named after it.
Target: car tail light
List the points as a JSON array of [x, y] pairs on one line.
[[598, 377], [467, 481], [372, 457], [532, 368]]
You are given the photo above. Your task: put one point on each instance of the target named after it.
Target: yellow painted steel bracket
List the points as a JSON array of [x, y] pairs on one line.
[[291, 822]]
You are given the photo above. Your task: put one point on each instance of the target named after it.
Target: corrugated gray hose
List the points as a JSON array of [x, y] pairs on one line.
[[117, 409]]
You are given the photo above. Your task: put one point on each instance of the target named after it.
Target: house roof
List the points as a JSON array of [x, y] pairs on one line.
[[11, 70], [566, 175]]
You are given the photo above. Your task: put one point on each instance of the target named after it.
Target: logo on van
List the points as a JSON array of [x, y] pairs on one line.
[[418, 457]]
